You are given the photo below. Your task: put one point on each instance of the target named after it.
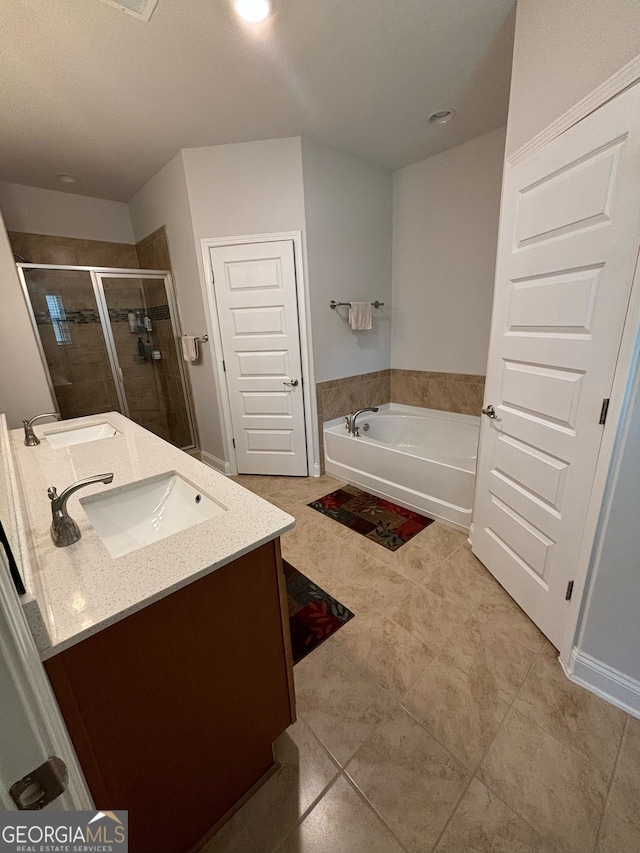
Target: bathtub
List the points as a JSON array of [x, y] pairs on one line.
[[422, 459]]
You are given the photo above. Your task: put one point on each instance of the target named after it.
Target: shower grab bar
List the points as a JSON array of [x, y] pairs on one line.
[[334, 304]]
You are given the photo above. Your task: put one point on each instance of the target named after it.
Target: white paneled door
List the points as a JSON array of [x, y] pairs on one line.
[[568, 246], [255, 290]]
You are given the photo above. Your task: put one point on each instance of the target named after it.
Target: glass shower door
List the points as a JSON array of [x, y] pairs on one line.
[[66, 317], [140, 313]]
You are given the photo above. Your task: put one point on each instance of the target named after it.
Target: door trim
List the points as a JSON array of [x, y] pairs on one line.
[[304, 329], [623, 79], [587, 556]]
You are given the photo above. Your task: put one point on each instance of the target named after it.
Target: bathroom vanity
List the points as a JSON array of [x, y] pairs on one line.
[[171, 663]]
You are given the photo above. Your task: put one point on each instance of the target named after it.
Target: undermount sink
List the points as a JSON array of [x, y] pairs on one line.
[[140, 514], [80, 434]]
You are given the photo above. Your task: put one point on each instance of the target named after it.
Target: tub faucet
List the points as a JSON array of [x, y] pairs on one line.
[[64, 530], [30, 438], [352, 427]]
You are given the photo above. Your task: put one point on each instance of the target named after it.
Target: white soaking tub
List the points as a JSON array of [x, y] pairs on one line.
[[422, 459]]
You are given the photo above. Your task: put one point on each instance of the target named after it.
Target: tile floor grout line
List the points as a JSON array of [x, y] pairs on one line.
[[569, 746], [314, 802], [437, 740], [474, 772], [333, 760], [305, 814], [370, 805], [386, 560], [610, 785], [397, 698], [442, 648]]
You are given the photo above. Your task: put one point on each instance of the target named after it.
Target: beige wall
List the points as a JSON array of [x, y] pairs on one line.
[[24, 391], [563, 50], [445, 231]]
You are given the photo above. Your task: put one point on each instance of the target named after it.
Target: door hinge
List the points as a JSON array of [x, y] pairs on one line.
[[224, 366], [41, 786], [233, 441], [569, 592], [213, 277], [604, 410]]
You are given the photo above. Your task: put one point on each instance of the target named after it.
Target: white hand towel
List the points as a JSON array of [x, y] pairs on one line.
[[189, 348], [360, 315]]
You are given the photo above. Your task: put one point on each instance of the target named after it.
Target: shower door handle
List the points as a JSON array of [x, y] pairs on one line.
[[120, 375], [291, 382]]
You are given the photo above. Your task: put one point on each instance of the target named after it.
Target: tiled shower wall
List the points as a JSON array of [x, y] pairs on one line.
[[43, 249], [80, 369], [153, 254]]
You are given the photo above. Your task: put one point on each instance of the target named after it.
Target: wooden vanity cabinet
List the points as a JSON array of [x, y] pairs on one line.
[[174, 709]]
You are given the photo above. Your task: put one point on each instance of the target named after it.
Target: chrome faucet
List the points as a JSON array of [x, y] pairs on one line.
[[64, 530], [30, 438], [352, 427]]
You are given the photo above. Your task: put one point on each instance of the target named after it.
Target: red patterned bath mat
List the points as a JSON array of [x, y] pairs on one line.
[[314, 615], [382, 521]]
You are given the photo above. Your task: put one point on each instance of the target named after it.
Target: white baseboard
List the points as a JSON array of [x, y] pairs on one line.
[[215, 463], [316, 469], [604, 681]]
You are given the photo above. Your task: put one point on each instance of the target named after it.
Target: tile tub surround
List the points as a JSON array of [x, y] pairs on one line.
[[437, 719], [83, 589], [338, 397], [448, 392]]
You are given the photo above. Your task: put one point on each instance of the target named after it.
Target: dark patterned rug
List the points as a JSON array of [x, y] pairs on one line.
[[314, 615], [382, 521]]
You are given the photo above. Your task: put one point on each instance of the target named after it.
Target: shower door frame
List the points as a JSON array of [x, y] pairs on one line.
[[96, 275]]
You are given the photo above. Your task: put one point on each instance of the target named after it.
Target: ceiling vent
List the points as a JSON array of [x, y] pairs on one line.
[[141, 9]]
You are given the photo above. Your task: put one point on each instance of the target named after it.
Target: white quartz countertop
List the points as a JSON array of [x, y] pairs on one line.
[[80, 588]]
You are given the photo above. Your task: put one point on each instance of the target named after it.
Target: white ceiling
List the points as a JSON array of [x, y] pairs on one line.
[[88, 90]]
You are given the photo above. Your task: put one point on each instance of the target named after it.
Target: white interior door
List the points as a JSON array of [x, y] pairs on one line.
[[569, 236], [255, 290]]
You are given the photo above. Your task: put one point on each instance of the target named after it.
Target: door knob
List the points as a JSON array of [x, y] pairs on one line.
[[490, 412], [293, 382]]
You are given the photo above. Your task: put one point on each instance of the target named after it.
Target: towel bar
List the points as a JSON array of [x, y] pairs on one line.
[[197, 339], [334, 304]]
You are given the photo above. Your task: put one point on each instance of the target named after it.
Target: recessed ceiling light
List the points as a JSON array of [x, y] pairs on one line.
[[441, 116], [68, 179], [253, 10]]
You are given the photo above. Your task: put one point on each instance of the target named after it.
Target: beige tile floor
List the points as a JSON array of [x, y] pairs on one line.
[[437, 719]]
